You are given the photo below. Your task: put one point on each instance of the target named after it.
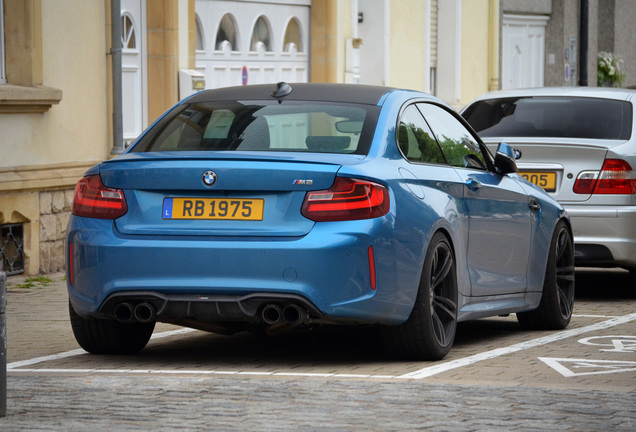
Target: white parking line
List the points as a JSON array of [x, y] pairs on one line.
[[454, 364], [19, 366]]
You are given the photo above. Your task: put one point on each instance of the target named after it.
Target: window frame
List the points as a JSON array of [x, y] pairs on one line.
[[235, 43], [300, 46], [488, 159], [269, 43], [128, 33], [23, 91], [397, 137]]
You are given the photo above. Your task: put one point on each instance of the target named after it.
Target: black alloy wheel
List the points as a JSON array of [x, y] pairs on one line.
[[557, 301], [429, 332]]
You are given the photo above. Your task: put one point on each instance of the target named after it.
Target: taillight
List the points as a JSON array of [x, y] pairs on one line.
[[93, 199], [347, 199], [616, 177]]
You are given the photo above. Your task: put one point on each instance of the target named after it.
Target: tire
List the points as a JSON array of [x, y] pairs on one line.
[[557, 301], [632, 276], [103, 336], [429, 332]]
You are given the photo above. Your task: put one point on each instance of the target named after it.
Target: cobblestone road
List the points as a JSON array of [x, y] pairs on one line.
[[583, 379]]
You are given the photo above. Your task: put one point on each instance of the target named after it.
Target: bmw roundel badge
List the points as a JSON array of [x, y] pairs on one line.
[[209, 178]]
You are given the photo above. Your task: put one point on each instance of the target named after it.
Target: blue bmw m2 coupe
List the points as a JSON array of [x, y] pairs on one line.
[[299, 205]]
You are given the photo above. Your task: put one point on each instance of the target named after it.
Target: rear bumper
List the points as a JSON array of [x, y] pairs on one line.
[[213, 313], [221, 279], [604, 235]]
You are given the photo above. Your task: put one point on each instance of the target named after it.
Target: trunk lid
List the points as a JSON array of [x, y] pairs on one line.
[[167, 195], [563, 159]]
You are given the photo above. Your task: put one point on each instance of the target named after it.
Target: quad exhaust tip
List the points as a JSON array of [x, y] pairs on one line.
[[124, 312], [127, 313], [144, 312], [290, 314]]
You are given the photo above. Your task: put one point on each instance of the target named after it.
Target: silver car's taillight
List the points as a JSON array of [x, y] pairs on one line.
[[616, 177]]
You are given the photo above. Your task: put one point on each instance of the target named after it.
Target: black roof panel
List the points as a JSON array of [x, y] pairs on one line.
[[300, 91]]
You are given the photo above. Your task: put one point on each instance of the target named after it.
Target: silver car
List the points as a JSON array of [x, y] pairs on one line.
[[579, 144]]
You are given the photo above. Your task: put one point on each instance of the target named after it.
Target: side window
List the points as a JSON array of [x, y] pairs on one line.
[[457, 143], [416, 140]]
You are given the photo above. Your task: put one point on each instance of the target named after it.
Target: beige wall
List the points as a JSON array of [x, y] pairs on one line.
[[55, 124], [163, 56], [408, 53], [325, 37], [73, 60], [475, 74]]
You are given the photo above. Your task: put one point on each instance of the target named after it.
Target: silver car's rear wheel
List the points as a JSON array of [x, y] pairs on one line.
[[557, 302], [429, 332]]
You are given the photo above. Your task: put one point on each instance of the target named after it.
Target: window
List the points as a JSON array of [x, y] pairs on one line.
[[21, 60], [571, 117], [456, 141], [3, 76], [293, 37], [415, 139], [127, 33], [264, 126], [12, 248], [227, 35], [261, 35], [200, 45]]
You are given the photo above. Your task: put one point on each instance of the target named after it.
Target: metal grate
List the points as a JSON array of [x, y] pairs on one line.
[[11, 249]]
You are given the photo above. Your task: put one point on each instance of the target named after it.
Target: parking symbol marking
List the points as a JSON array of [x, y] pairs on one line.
[[619, 344], [579, 367]]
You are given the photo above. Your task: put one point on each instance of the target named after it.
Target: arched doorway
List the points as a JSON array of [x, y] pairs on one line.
[[253, 42]]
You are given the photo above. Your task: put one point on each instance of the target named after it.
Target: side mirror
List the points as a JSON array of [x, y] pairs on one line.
[[505, 159]]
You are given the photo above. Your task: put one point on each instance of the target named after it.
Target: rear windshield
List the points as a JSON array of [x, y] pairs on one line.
[[264, 126], [570, 117]]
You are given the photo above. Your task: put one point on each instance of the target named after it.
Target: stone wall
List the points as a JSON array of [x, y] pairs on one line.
[[55, 210]]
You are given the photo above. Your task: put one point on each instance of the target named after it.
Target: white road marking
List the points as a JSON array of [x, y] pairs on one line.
[[419, 374], [594, 367], [20, 364], [454, 364]]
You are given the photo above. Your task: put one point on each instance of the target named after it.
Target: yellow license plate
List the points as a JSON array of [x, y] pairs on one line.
[[213, 208], [546, 180]]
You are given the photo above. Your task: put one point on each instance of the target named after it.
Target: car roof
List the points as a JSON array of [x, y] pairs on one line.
[[356, 93], [597, 92]]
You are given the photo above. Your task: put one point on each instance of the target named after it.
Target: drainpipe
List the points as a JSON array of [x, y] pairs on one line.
[[583, 44], [118, 134]]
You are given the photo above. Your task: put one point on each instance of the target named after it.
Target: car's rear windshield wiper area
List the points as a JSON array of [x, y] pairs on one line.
[[315, 127], [568, 117]]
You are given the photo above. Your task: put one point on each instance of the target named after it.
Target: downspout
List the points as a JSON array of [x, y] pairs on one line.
[[583, 44], [115, 18]]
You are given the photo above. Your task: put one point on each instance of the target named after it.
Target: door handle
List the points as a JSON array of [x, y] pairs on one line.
[[534, 205], [472, 184]]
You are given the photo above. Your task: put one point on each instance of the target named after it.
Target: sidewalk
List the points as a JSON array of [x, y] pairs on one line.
[[37, 317]]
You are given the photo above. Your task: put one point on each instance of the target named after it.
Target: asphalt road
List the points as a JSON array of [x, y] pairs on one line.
[[497, 377]]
